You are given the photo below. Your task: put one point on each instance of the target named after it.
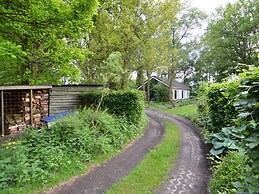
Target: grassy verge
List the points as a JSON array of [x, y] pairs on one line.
[[64, 175], [187, 110], [150, 173], [21, 162]]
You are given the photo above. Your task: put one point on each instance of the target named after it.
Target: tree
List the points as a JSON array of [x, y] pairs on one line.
[[232, 38], [42, 39], [129, 27], [187, 20], [110, 70]]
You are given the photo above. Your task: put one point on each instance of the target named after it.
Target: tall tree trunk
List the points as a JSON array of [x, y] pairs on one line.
[[140, 76], [148, 86], [171, 75]]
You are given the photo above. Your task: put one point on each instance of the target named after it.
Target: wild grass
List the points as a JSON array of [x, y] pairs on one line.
[[44, 158], [183, 110]]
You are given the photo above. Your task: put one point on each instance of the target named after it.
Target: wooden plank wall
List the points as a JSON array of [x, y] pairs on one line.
[[64, 98]]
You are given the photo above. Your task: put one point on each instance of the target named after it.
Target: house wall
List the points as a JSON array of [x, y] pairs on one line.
[[64, 98], [181, 94]]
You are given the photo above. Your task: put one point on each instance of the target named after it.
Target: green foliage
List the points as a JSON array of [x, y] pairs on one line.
[[42, 39], [232, 39], [129, 104], [77, 139], [139, 30], [247, 124], [221, 110], [231, 170], [216, 105], [110, 70], [240, 131], [159, 93]]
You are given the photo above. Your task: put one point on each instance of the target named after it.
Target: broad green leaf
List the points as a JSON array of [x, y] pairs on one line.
[[216, 152]]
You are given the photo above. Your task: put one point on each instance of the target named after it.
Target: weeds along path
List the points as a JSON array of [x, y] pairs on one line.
[[102, 177], [191, 173]]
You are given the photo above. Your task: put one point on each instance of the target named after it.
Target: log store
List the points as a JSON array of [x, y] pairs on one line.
[[23, 106]]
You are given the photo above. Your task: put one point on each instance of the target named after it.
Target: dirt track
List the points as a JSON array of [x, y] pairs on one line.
[[190, 174]]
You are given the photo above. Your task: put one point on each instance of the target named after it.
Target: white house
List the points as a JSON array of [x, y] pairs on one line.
[[180, 91]]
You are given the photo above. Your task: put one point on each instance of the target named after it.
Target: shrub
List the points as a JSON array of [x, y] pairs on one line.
[[231, 170], [129, 104], [222, 112], [77, 138], [159, 93], [237, 129]]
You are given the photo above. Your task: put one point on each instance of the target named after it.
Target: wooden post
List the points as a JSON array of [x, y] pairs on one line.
[[31, 96], [2, 111]]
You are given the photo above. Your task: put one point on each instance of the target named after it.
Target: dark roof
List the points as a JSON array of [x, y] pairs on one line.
[[165, 81], [25, 87]]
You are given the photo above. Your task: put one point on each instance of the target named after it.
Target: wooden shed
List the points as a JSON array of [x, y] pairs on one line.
[[23, 106], [66, 97]]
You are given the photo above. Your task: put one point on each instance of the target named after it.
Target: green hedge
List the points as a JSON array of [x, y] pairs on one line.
[[231, 110], [231, 170], [221, 108], [216, 105], [159, 93], [129, 104]]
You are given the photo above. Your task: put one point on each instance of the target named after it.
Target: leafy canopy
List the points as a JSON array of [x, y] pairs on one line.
[[40, 40]]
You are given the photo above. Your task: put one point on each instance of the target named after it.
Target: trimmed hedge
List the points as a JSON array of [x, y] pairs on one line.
[[221, 108], [129, 104]]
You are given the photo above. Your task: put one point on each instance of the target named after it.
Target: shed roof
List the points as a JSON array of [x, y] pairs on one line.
[[25, 87]]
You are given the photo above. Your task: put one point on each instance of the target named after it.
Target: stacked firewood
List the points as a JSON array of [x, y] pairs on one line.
[[40, 104]]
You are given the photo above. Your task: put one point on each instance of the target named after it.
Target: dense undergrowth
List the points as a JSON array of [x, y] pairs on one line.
[[41, 155], [229, 113]]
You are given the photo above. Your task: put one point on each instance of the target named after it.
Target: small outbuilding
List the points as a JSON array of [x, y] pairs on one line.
[[180, 90], [23, 106]]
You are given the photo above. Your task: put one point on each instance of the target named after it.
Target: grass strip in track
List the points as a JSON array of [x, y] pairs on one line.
[[150, 173]]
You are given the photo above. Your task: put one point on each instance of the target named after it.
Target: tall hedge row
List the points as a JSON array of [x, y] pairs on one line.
[[221, 110], [129, 104], [232, 112]]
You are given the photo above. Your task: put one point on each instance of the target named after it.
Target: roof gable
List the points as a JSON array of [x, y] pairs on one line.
[[164, 81]]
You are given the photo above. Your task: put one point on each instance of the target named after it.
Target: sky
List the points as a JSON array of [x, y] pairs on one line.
[[209, 5]]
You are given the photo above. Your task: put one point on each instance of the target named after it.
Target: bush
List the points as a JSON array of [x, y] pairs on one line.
[[129, 104], [159, 93], [222, 112], [232, 109], [230, 171], [75, 139]]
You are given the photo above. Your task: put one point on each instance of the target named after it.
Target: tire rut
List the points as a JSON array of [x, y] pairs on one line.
[[102, 177], [190, 175]]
